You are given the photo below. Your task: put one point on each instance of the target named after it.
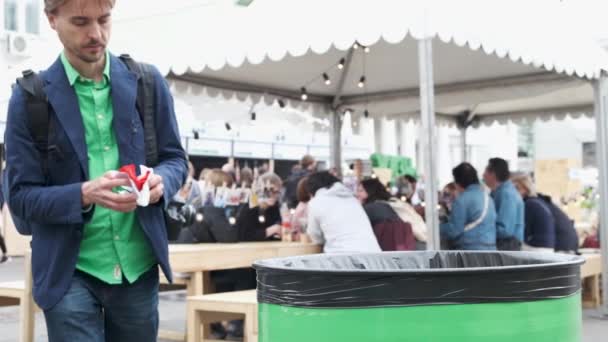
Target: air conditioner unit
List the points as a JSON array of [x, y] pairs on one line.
[[20, 44]]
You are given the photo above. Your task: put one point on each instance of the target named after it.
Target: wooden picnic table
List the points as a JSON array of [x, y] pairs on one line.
[[193, 263]]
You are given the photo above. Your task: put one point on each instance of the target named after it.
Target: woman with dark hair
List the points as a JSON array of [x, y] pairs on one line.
[[300, 215], [336, 219], [392, 232], [472, 221]]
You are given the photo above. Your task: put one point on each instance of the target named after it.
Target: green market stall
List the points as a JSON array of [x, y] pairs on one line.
[[420, 296]]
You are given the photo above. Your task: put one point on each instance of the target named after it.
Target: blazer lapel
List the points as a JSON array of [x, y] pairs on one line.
[[124, 96], [62, 98]]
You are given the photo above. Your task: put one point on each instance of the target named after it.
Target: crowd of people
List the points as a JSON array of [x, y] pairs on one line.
[[500, 211], [505, 213], [317, 206]]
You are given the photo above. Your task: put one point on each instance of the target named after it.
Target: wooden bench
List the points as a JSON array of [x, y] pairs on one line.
[[591, 271], [206, 309], [20, 293]]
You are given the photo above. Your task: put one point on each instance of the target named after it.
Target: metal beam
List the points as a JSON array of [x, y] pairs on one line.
[[600, 90], [429, 135], [544, 78], [347, 64]]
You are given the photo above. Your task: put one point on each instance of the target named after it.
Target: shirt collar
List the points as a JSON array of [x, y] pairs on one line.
[[73, 74]]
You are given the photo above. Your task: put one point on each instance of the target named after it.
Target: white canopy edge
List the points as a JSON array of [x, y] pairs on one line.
[[275, 29]]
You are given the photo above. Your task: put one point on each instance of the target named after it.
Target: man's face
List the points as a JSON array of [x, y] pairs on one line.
[[84, 27], [489, 178]]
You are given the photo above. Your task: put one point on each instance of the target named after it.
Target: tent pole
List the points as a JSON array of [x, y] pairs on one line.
[[335, 141], [600, 90], [427, 111], [399, 137], [377, 135], [463, 144]]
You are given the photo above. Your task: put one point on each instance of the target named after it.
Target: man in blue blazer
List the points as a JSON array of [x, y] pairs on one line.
[[95, 253]]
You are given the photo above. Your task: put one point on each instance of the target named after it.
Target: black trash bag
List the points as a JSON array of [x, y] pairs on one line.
[[416, 278]]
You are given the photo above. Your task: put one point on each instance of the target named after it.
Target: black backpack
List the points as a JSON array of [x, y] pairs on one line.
[[38, 119]]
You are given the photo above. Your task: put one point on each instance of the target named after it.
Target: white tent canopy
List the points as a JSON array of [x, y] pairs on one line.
[[280, 46]]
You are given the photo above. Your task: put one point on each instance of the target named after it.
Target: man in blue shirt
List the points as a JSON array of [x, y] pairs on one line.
[[509, 205]]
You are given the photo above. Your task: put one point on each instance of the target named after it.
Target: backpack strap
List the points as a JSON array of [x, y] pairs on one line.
[[38, 114], [145, 106]]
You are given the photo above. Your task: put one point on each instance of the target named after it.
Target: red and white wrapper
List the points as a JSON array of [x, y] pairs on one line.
[[140, 185]]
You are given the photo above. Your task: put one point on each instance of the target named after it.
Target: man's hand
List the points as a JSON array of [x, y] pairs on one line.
[[157, 189], [99, 192]]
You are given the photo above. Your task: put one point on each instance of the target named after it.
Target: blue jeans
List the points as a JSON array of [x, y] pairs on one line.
[[94, 311]]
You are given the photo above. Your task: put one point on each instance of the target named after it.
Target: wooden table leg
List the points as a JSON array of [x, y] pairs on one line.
[[193, 327], [28, 308], [250, 330], [595, 291]]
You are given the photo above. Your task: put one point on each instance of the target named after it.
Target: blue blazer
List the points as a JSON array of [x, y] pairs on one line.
[[53, 210]]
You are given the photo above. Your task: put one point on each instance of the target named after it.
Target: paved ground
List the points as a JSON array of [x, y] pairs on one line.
[[173, 316]]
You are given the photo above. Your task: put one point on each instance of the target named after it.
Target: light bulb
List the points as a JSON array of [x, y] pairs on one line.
[[326, 78], [362, 82]]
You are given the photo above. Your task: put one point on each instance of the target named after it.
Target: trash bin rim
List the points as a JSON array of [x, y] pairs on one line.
[[558, 260]]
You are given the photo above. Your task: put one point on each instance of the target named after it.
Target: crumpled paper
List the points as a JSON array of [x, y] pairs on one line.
[[139, 184]]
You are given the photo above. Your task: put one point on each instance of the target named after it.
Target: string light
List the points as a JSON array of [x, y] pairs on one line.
[[326, 78], [304, 95], [228, 127], [199, 217], [362, 82], [356, 46], [262, 219], [232, 221], [367, 49], [341, 64], [281, 103]]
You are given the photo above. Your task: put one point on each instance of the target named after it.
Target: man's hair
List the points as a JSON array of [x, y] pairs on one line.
[[376, 191], [320, 180], [307, 161], [500, 168], [51, 6], [411, 179], [465, 175]]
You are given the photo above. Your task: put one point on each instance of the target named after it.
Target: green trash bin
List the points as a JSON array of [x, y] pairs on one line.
[[421, 296]]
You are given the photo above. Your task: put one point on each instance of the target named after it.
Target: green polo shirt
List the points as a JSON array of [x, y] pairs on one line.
[[113, 243]]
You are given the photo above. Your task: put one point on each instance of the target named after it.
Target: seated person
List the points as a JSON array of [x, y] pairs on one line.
[[262, 221], [539, 227], [300, 215], [472, 221], [392, 232], [336, 219]]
